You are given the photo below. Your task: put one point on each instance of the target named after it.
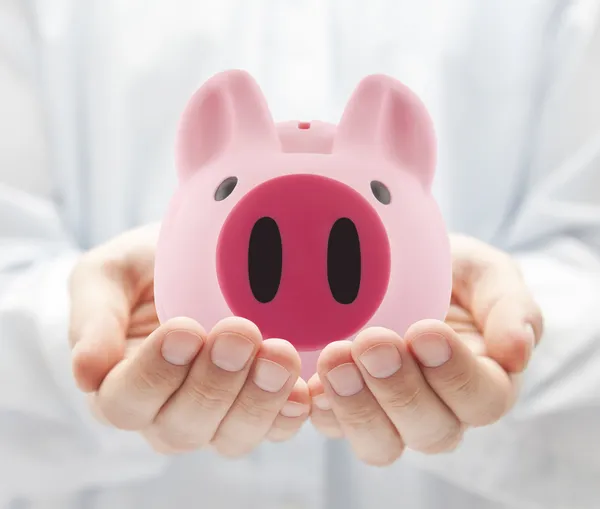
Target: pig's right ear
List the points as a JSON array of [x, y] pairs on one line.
[[229, 112], [385, 117]]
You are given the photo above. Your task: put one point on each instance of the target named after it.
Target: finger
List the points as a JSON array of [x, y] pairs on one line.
[[292, 415], [133, 392], [509, 335], [264, 395], [424, 422], [322, 416], [374, 439], [460, 319], [143, 320], [104, 287], [463, 324], [488, 283], [476, 389], [192, 416], [98, 322]]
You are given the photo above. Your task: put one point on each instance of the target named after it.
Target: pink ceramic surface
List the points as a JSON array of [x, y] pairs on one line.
[[312, 231]]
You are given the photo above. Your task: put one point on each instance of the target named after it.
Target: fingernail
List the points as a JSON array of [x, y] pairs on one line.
[[270, 376], [381, 361], [231, 352], [529, 335], [180, 347], [345, 379], [432, 350], [293, 409], [322, 402]]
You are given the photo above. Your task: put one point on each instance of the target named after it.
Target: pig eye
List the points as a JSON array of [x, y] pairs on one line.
[[381, 192], [225, 188]]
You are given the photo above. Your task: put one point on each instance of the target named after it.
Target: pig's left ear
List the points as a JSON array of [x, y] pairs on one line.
[[383, 116], [228, 113]]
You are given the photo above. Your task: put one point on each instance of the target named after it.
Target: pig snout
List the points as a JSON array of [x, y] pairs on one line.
[[306, 258]]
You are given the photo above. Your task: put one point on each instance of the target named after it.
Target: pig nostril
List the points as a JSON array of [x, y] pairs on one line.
[[265, 259], [344, 261], [303, 125]]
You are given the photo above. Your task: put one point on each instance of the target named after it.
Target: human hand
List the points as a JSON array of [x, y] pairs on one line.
[[181, 388], [384, 393]]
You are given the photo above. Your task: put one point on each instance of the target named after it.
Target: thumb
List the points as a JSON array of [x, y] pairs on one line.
[[101, 300]]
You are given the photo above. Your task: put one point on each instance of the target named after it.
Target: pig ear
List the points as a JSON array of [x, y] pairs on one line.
[[383, 116], [229, 112]]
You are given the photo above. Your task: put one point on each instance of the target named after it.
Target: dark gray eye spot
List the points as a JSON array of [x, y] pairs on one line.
[[225, 188], [381, 192]]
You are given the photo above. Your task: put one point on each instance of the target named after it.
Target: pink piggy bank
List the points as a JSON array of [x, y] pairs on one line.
[[311, 231]]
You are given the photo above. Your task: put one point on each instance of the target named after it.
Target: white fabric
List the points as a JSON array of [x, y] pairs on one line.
[[90, 93]]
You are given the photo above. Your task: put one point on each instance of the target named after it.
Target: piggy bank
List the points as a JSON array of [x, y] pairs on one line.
[[312, 231]]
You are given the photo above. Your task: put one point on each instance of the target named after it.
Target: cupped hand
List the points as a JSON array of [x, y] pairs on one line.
[[179, 386], [385, 393]]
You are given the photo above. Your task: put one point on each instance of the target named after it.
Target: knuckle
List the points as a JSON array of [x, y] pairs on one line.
[[492, 410], [208, 395], [255, 410], [181, 441], [97, 260], [159, 446], [382, 457], [112, 268], [120, 415], [179, 435], [150, 380], [360, 416], [446, 441], [459, 381], [404, 397], [233, 448]]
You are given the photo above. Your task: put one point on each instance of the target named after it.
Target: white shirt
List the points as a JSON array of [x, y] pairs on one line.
[[90, 94]]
